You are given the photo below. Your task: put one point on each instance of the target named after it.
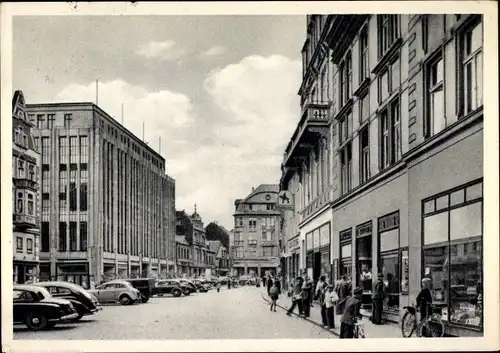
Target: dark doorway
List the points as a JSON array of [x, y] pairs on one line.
[[317, 266]]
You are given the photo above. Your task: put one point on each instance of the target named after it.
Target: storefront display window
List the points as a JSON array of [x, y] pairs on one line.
[[364, 257], [455, 265], [389, 256], [345, 253]]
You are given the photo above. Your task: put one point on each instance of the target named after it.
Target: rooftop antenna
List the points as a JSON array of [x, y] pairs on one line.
[[96, 92], [159, 144], [195, 207]]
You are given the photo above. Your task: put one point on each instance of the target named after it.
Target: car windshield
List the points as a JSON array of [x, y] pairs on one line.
[[42, 293]]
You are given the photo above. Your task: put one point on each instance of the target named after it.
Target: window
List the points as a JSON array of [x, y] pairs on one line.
[[435, 118], [31, 204], [29, 246], [268, 251], [364, 151], [19, 244], [388, 32], [364, 69], [345, 268], [45, 237], [72, 196], [389, 255], [453, 252], [50, 120], [364, 108], [83, 196], [252, 224], [364, 256], [45, 150], [345, 125], [62, 236], [472, 68], [72, 236], [345, 79], [31, 172], [20, 169], [269, 207], [67, 121], [20, 202], [239, 252], [346, 168], [40, 120], [390, 131], [425, 32]]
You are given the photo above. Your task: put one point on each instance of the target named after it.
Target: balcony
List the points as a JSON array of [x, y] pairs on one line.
[[25, 220], [26, 184], [313, 126]]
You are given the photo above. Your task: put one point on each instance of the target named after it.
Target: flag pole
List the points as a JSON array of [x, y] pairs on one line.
[[143, 131], [159, 144], [97, 92], [122, 114]]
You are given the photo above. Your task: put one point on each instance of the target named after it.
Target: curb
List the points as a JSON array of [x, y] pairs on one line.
[[306, 318]]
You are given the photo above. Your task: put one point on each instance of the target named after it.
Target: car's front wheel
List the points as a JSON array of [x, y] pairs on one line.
[[125, 300], [36, 321], [176, 293]]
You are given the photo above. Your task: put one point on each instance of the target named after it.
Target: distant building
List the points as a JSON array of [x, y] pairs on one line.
[[106, 203], [256, 227], [221, 257], [183, 256], [25, 195]]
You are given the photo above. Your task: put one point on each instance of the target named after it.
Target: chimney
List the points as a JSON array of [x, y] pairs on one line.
[[253, 189]]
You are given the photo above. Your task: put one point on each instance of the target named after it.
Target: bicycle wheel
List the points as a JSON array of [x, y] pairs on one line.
[[408, 324], [431, 328]]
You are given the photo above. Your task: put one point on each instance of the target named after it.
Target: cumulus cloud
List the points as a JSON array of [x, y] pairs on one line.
[[167, 50], [259, 109], [213, 52], [165, 113]]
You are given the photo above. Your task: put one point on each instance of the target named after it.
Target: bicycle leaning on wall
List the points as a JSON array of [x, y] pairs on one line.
[[431, 326]]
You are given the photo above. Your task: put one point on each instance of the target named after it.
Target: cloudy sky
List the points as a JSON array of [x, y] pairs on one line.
[[221, 91]]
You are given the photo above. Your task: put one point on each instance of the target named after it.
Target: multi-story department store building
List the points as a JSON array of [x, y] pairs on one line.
[[386, 163], [107, 206]]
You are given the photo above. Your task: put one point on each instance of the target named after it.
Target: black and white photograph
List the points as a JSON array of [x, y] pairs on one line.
[[260, 177]]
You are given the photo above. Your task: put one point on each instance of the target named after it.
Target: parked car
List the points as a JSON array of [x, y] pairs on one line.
[[117, 291], [37, 309], [203, 288], [190, 285], [84, 302], [223, 280], [170, 286], [144, 285]]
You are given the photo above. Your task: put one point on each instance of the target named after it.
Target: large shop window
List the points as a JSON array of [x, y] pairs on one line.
[[345, 266], [364, 256], [324, 243], [453, 256], [389, 255]]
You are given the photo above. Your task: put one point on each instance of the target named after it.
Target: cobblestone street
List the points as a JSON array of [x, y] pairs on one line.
[[238, 313]]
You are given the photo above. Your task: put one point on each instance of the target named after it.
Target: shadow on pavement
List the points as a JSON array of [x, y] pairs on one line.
[[55, 328]]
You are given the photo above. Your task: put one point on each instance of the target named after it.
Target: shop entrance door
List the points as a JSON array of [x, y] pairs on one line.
[[317, 266]]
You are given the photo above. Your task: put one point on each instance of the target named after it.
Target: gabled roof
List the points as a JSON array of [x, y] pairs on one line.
[[214, 245], [181, 239], [273, 188]]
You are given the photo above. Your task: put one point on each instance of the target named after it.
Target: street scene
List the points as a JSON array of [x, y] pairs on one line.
[[247, 177]]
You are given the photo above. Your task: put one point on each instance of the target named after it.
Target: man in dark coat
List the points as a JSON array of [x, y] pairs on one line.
[[351, 314], [269, 283], [378, 300]]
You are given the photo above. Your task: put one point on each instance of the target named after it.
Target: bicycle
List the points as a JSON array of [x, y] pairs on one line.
[[432, 324], [359, 330]]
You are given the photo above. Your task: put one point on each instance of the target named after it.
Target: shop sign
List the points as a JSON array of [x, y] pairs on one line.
[[388, 222], [324, 235], [285, 200], [364, 230], [345, 236], [293, 244]]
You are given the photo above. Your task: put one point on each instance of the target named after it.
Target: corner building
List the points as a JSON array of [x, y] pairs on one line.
[[107, 207], [403, 134], [256, 232], [25, 195]]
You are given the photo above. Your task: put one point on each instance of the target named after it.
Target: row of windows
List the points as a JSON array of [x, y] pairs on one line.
[[72, 236], [46, 121], [21, 137], [20, 245], [23, 169], [266, 251], [25, 202]]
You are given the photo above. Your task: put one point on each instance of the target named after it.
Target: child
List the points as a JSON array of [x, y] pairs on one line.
[[273, 293]]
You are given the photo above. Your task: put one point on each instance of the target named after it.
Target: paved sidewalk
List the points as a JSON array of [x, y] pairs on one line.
[[372, 331]]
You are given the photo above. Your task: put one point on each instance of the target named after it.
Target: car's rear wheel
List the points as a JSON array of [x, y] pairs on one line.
[[176, 293], [145, 299], [36, 321], [125, 300], [187, 292]]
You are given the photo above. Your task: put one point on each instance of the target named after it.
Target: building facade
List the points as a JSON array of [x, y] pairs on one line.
[[221, 257], [106, 203], [256, 232], [184, 256], [25, 195], [402, 131]]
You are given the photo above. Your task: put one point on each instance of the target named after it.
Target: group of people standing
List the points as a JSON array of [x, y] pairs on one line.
[[339, 298]]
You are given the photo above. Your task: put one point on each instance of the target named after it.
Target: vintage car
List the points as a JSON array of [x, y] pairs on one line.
[[84, 302], [200, 286], [189, 284], [37, 309], [170, 286], [144, 285], [117, 291]]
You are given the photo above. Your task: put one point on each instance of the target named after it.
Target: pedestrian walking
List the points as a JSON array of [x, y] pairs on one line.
[[277, 283], [306, 297], [218, 285], [296, 297], [269, 284], [378, 300], [229, 283], [351, 314], [274, 294], [343, 291], [320, 286]]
